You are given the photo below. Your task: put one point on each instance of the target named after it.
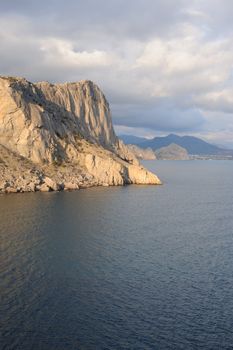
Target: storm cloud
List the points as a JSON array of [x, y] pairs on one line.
[[165, 65]]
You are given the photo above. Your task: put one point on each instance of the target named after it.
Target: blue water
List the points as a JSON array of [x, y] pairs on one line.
[[135, 267]]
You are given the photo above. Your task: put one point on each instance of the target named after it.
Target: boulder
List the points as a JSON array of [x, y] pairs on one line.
[[44, 188]]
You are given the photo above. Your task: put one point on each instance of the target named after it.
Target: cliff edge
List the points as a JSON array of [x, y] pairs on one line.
[[60, 136]]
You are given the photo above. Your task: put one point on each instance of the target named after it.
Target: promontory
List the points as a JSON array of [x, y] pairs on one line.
[[61, 137]]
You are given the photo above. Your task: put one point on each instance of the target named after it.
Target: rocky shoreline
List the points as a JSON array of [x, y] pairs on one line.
[[19, 175]]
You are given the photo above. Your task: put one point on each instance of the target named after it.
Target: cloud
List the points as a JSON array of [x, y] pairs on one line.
[[218, 101], [138, 19], [160, 117], [188, 63], [63, 51]]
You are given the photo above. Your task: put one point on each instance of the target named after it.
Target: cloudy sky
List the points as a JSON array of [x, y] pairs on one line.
[[164, 65]]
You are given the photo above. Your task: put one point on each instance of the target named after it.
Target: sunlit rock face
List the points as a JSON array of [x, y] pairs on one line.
[[70, 123]]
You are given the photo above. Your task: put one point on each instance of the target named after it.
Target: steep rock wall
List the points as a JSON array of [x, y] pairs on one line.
[[54, 124]]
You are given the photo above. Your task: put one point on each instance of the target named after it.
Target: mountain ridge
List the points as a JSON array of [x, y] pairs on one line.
[[192, 144]]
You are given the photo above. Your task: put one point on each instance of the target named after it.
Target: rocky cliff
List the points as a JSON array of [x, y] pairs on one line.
[[63, 134]]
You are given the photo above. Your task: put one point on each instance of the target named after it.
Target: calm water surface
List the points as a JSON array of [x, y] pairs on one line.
[[136, 267]]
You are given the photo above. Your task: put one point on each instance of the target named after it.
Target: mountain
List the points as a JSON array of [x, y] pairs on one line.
[[193, 145], [60, 136], [142, 153], [132, 140], [172, 152]]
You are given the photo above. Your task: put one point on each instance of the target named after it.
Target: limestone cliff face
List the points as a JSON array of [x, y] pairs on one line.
[[40, 120], [55, 124]]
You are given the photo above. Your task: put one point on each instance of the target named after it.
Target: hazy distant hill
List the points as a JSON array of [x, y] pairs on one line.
[[132, 140], [172, 152], [193, 145], [142, 153]]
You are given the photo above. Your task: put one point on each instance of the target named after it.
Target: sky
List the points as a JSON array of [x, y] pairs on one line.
[[165, 66]]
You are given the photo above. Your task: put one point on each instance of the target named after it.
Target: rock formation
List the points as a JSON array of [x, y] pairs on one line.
[[142, 153], [172, 152], [60, 136]]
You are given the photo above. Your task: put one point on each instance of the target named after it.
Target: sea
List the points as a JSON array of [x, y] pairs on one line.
[[132, 267]]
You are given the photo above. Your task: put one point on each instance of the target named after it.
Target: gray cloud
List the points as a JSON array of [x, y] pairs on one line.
[[160, 118], [132, 18], [165, 65]]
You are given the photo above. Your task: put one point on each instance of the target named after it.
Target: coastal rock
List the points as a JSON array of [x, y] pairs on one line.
[[115, 171], [141, 176], [56, 134], [11, 190], [4, 185], [68, 186], [51, 184], [31, 187], [105, 170], [44, 188]]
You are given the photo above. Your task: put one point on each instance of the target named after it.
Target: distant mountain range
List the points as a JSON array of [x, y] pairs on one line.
[[192, 144], [132, 140]]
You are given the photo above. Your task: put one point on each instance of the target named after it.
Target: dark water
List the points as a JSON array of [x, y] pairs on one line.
[[134, 267]]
